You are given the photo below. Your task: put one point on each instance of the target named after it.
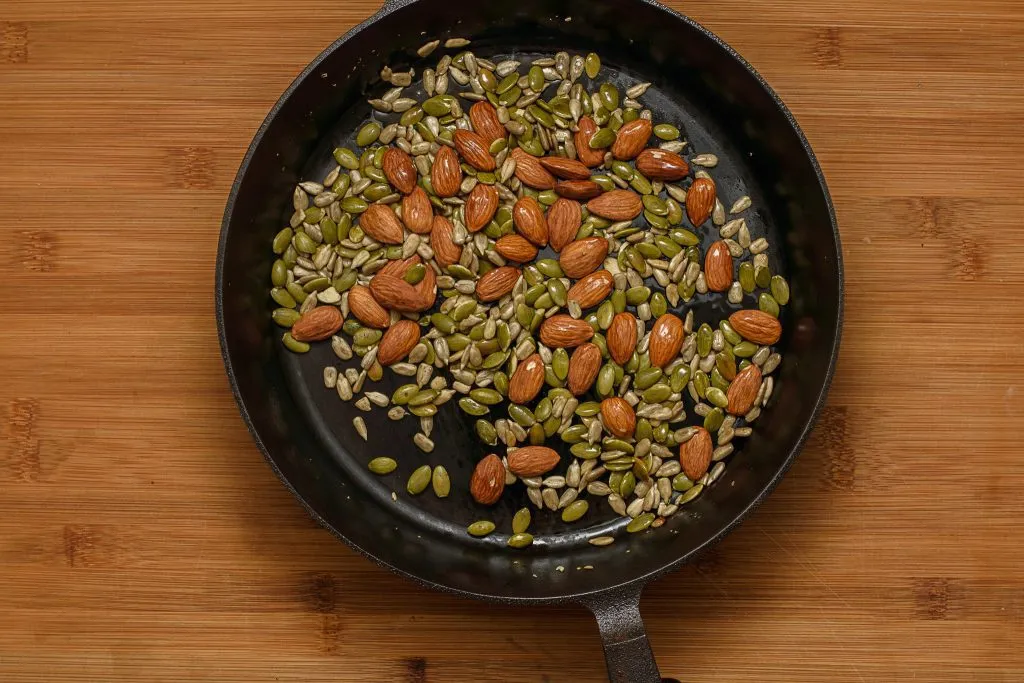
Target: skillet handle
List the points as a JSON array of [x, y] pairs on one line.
[[626, 650]]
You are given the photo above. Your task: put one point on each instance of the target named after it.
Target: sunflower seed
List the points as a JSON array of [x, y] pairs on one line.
[[740, 205], [601, 541], [360, 426], [423, 442], [705, 160], [344, 388]]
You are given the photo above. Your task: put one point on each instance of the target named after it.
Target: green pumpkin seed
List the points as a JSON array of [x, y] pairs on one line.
[[618, 445], [767, 303], [675, 211], [762, 276], [585, 451], [780, 289], [465, 309], [705, 336], [606, 184], [657, 393], [412, 116], [746, 277], [351, 326], [481, 528], [316, 285], [640, 523], [285, 317], [520, 540], [472, 407], [714, 419], [729, 333], [622, 170], [726, 365], [602, 139], [442, 322], [557, 291], [609, 96], [437, 106], [681, 483], [426, 410], [605, 314], [297, 292], [643, 186], [560, 363], [637, 295], [666, 247], [279, 273], [549, 267], [282, 297], [575, 510], [419, 480], [423, 397], [605, 381], [701, 382], [521, 521], [655, 220], [282, 240], [543, 410], [486, 432], [293, 344], [376, 192], [403, 393], [744, 349], [368, 134], [509, 97], [485, 396], [441, 482], [659, 305], [680, 378], [666, 131], [684, 238], [382, 465], [646, 378], [354, 204], [535, 79], [346, 158], [574, 434], [718, 381], [457, 342], [495, 360], [648, 250], [522, 415], [534, 293], [367, 336], [717, 397], [690, 494], [304, 243], [592, 65], [655, 205]]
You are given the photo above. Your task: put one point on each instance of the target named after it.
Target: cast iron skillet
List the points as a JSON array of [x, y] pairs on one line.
[[305, 432]]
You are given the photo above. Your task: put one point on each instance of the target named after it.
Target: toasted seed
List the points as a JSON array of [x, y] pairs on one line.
[[382, 465], [441, 482], [780, 289], [481, 528], [427, 48], [690, 494], [520, 540], [418, 480], [521, 521], [740, 205], [575, 510], [456, 42], [640, 522]]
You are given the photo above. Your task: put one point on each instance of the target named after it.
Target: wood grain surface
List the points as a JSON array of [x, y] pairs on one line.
[[143, 538]]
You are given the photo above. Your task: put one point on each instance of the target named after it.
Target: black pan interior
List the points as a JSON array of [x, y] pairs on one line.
[[305, 430]]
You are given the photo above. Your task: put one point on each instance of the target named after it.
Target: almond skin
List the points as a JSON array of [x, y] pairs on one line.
[[484, 118], [480, 206], [417, 213], [564, 219], [583, 257], [446, 174], [566, 169], [530, 171], [578, 189], [496, 283], [398, 341], [757, 326], [660, 164], [317, 324], [399, 268], [742, 391], [586, 130], [618, 416], [397, 294], [718, 267], [516, 248], [473, 148], [532, 461], [695, 454], [617, 205], [488, 480], [426, 290], [562, 331], [527, 380], [381, 223], [592, 289], [528, 217], [584, 365], [399, 170], [366, 309], [700, 201], [666, 339], [621, 337], [631, 139], [446, 252]]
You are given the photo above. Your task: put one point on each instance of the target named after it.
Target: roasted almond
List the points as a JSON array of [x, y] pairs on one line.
[[695, 454], [757, 326], [621, 337], [666, 339], [583, 257], [564, 219], [473, 148], [700, 201], [516, 248], [496, 283], [398, 341], [742, 391], [426, 290], [446, 252], [592, 289], [446, 173], [617, 205], [399, 267], [562, 331], [618, 417], [417, 213], [317, 324], [488, 480], [484, 118], [381, 223], [718, 267], [480, 206], [528, 217], [366, 309], [660, 164], [585, 130], [631, 139], [530, 171], [567, 169], [399, 169], [527, 380], [397, 294], [584, 365], [532, 461], [578, 189]]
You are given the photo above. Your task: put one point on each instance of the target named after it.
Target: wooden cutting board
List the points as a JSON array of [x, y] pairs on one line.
[[143, 538]]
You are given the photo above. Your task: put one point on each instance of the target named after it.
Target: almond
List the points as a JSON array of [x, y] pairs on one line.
[[618, 417], [417, 213], [718, 267], [480, 206], [578, 189], [516, 248], [496, 283], [528, 217], [397, 294], [585, 131], [381, 223], [446, 173], [583, 257], [398, 341], [700, 201], [742, 391], [660, 164], [398, 268], [621, 337], [527, 380], [530, 172], [583, 368], [631, 139], [446, 252], [317, 324], [473, 148], [564, 219], [488, 480], [366, 309], [567, 169], [757, 326], [617, 205], [695, 454], [666, 339], [484, 118], [399, 170], [592, 289], [426, 290], [562, 331], [532, 461]]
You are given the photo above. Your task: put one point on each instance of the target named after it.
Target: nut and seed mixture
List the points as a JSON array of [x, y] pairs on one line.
[[423, 251]]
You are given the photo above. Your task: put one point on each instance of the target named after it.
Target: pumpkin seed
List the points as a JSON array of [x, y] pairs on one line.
[[293, 344], [657, 393], [690, 494], [418, 480], [481, 528], [382, 465], [640, 522], [520, 540], [744, 349], [780, 289], [767, 303], [762, 276], [637, 295], [575, 510], [592, 65], [487, 397], [704, 340], [666, 131], [602, 139], [713, 420], [717, 397]]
